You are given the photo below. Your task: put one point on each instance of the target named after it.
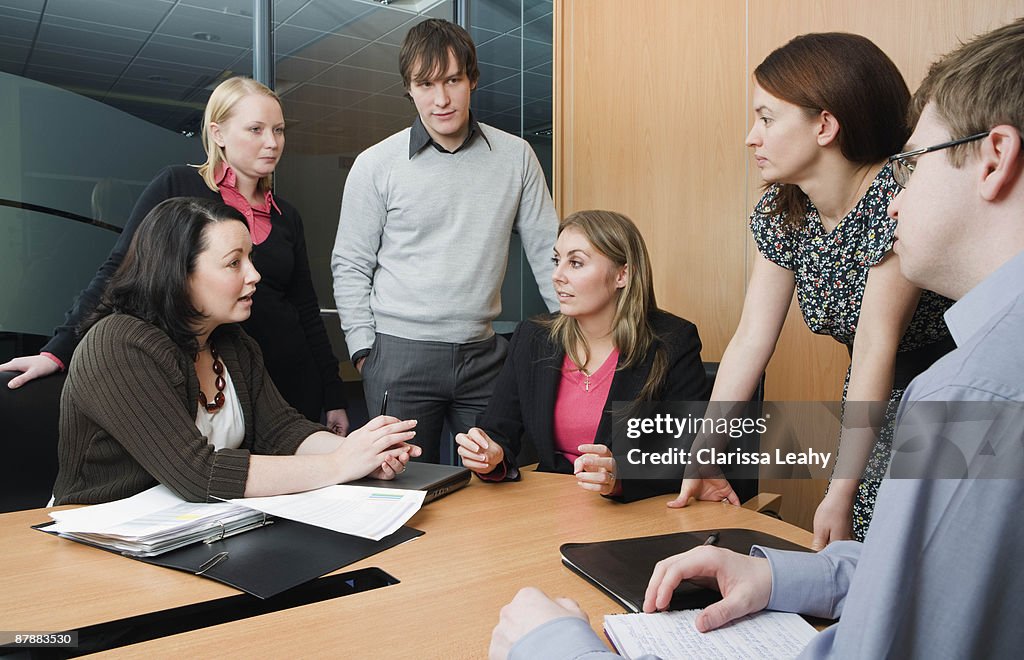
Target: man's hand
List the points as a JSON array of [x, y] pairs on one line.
[[745, 583], [530, 609]]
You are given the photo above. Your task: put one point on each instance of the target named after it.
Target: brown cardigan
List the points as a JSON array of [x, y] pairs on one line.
[[127, 417]]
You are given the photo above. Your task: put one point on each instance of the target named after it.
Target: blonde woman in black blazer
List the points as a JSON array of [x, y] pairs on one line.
[[604, 282]]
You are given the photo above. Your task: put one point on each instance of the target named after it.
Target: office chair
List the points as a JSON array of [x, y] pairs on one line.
[[29, 419]]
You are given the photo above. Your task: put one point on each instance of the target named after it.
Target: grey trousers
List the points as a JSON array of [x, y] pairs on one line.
[[432, 382]]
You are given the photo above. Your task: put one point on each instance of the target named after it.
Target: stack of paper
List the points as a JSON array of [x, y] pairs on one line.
[[153, 522], [157, 521], [670, 635]]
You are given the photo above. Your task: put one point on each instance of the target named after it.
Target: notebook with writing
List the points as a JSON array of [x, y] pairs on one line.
[[437, 480], [622, 568]]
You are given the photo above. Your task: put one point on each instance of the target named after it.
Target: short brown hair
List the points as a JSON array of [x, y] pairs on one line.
[[851, 78], [976, 87], [427, 46]]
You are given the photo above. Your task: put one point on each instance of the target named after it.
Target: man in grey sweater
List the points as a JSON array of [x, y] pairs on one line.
[[423, 242]]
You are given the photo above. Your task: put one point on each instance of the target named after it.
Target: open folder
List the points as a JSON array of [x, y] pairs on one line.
[[622, 569], [268, 560]]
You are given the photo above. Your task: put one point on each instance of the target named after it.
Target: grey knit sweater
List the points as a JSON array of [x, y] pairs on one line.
[[423, 242], [127, 417]]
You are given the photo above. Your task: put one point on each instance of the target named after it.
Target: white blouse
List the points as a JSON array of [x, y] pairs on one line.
[[224, 428]]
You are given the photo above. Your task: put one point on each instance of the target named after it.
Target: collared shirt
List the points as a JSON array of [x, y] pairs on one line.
[[419, 137], [929, 535], [257, 217]]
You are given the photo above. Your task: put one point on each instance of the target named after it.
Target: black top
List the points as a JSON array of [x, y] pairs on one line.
[[523, 402], [285, 318]]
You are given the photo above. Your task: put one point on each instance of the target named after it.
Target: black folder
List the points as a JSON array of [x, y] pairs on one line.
[[270, 559], [622, 569]]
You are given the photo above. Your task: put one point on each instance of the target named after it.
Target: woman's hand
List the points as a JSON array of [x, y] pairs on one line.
[[713, 490], [479, 453], [833, 519], [379, 449], [337, 421], [595, 469], [31, 367]]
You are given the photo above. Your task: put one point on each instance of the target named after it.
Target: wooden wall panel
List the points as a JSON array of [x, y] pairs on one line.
[[650, 122], [651, 110]]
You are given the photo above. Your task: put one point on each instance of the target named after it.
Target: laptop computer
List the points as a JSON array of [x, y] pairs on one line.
[[437, 480]]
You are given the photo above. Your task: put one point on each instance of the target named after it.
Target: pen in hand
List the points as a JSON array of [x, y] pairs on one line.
[[384, 404]]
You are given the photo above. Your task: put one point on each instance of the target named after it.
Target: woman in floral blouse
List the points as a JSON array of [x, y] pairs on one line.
[[829, 109]]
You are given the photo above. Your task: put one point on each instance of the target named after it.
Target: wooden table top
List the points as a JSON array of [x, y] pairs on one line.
[[481, 545]]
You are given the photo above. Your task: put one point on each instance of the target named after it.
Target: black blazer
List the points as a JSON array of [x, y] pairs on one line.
[[523, 402]]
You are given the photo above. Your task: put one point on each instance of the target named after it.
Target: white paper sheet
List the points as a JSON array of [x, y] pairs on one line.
[[672, 635], [371, 513]]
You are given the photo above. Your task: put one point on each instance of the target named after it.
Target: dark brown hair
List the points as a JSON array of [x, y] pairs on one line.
[[152, 281], [427, 46], [851, 78]]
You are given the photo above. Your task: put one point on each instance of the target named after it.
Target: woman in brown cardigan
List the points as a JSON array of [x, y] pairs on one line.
[[166, 388]]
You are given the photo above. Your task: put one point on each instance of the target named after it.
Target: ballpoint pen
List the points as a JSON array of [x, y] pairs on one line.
[[384, 404], [712, 539]]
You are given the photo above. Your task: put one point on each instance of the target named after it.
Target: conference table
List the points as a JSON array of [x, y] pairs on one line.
[[481, 545]]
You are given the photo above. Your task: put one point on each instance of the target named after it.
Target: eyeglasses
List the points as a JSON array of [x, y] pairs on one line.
[[903, 164]]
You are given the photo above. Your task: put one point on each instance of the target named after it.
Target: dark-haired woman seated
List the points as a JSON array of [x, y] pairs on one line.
[[609, 343], [166, 388]]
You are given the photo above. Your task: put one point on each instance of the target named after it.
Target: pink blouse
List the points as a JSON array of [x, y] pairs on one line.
[[579, 405], [258, 217]]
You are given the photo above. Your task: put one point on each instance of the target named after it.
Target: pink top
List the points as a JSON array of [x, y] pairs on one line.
[[579, 405], [258, 217]]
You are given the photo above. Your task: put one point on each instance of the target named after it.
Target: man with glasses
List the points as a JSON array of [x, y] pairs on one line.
[[938, 573]]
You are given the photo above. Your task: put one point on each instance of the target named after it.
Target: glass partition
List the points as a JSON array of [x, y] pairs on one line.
[[96, 97]]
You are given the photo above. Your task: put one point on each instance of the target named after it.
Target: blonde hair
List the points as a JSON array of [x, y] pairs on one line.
[[616, 237], [218, 109]]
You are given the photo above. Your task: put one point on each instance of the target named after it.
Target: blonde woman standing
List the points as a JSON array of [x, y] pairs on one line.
[[243, 135]]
